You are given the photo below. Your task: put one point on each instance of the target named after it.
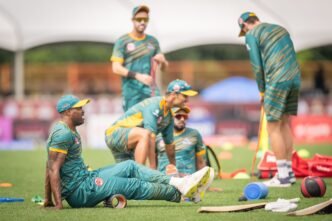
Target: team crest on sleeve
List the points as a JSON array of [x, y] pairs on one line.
[[99, 181], [131, 46]]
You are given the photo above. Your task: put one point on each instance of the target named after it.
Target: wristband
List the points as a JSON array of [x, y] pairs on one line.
[[131, 74]]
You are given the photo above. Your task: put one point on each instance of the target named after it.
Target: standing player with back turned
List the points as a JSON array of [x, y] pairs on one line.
[[132, 59], [278, 76]]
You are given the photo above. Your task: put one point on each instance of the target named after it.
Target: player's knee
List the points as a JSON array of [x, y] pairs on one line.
[[145, 134]]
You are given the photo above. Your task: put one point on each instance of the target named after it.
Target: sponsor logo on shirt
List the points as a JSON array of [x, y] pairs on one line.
[[131, 47], [99, 181]]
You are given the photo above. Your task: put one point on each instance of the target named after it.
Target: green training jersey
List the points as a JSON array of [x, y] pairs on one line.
[[188, 145], [150, 114], [272, 55], [73, 172], [135, 55]]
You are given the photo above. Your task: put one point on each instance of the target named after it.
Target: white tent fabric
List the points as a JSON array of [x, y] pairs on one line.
[[176, 23]]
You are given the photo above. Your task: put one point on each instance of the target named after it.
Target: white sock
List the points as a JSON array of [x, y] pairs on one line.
[[289, 166], [282, 169], [175, 181]]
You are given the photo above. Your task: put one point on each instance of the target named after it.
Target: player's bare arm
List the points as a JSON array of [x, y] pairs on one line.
[[160, 58], [152, 152], [48, 202], [170, 151], [200, 162], [119, 69], [55, 161]]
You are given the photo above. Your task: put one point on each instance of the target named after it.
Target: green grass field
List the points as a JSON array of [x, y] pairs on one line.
[[25, 169]]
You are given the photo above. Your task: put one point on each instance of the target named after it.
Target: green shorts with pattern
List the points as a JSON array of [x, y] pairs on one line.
[[281, 98], [117, 142]]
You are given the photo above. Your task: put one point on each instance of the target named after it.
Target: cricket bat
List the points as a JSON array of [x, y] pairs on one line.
[[232, 208], [324, 208]]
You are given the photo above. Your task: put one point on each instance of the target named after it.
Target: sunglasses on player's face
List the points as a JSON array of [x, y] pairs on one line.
[[180, 116], [139, 20]]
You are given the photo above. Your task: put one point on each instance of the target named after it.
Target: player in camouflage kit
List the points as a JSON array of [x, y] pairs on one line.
[[189, 148], [278, 76], [132, 59], [67, 177]]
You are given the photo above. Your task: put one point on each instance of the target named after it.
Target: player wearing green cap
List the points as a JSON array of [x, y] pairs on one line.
[[132, 59], [132, 136], [67, 177], [278, 76]]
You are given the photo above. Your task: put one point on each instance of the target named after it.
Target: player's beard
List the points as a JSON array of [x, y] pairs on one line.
[[179, 128], [140, 28]]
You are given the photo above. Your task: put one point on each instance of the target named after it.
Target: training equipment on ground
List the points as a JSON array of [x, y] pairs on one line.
[[319, 165], [117, 201], [212, 160], [321, 208], [6, 185], [282, 205], [232, 208], [313, 186], [10, 200], [255, 191]]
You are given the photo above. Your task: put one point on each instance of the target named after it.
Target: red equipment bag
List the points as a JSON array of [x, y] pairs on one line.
[[319, 165]]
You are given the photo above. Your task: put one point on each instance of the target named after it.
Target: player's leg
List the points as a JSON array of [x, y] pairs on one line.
[[116, 140], [96, 189], [130, 169], [291, 109], [274, 105], [139, 140]]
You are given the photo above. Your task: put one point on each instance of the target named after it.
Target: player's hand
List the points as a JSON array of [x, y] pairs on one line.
[[144, 78], [160, 58], [48, 203], [171, 170]]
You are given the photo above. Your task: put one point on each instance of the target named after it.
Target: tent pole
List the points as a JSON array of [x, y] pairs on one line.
[[19, 75]]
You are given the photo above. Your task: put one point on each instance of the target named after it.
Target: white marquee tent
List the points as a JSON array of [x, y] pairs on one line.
[[176, 23]]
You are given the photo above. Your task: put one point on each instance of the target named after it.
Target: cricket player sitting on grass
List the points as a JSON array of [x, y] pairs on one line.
[[67, 177], [133, 135], [131, 59], [278, 76], [189, 148]]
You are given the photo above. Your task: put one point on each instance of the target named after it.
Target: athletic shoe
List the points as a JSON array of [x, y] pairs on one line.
[[190, 184], [202, 189], [292, 178], [278, 182]]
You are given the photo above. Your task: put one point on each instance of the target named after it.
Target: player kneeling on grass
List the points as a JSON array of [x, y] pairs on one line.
[[132, 136], [67, 177]]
